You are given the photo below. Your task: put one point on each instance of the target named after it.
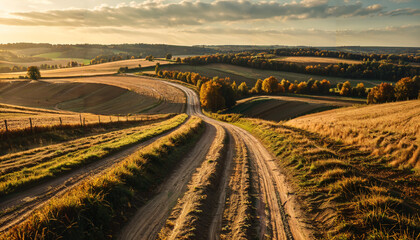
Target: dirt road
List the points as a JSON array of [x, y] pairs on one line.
[[284, 219]]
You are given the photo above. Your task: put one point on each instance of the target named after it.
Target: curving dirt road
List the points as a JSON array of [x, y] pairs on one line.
[[285, 220]]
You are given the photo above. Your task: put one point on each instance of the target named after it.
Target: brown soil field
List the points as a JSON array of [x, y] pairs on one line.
[[76, 97], [97, 69], [280, 108], [316, 60], [390, 129], [167, 99]]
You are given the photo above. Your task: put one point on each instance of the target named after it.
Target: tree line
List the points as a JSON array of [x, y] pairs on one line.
[[42, 67], [365, 70], [315, 52], [220, 93]]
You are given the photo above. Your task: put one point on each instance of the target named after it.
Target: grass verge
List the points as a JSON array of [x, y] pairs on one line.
[[349, 194], [19, 173], [96, 208]]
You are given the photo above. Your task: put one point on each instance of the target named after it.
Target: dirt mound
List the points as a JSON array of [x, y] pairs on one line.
[[78, 97]]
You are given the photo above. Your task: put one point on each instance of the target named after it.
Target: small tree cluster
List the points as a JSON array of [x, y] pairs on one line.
[[34, 73], [405, 89]]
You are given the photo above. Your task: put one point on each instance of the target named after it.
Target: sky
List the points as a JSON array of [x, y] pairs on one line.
[[220, 22]]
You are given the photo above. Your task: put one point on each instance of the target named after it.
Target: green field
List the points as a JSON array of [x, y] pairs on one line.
[[250, 75]]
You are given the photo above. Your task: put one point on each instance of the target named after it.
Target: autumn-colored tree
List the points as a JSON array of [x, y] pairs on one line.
[[360, 90], [406, 89], [258, 87], [280, 88], [345, 89], [292, 88], [270, 85], [302, 87], [383, 93], [33, 73], [199, 84], [324, 86], [285, 83], [211, 96], [243, 89]]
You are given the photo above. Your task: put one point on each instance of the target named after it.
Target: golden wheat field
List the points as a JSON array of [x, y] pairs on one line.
[[390, 129]]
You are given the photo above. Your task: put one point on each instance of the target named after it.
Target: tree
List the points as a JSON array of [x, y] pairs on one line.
[[360, 90], [243, 89], [270, 85], [157, 68], [345, 89], [168, 56], [33, 73], [211, 97], [178, 59], [383, 93], [406, 89], [258, 87], [302, 87]]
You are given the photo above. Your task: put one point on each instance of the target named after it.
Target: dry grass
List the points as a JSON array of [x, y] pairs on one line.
[[96, 208], [28, 167], [390, 129], [98, 69], [348, 193], [186, 218]]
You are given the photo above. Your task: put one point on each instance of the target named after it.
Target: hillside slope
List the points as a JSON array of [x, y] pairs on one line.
[[390, 129], [78, 97]]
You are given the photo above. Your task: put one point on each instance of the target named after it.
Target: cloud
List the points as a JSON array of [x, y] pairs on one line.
[[403, 12], [186, 13]]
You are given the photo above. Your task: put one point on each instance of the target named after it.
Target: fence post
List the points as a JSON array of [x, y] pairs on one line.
[[61, 121], [30, 123], [110, 119], [80, 115], [5, 124], [99, 119], [118, 118]]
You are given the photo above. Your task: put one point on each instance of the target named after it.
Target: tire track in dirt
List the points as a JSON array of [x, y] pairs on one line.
[[150, 218]]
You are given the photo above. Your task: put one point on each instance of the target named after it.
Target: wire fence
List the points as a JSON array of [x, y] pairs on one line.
[[8, 125]]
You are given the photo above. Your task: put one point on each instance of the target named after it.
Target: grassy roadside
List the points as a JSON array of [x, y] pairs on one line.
[[349, 194], [189, 217], [23, 139], [96, 208], [19, 173]]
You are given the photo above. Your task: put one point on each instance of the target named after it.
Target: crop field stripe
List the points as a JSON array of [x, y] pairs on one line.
[[54, 166]]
